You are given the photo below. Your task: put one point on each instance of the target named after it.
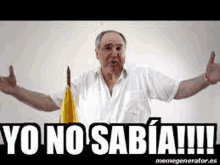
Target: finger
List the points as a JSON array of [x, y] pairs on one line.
[[212, 57], [2, 84], [11, 71], [1, 87], [214, 82], [2, 79]]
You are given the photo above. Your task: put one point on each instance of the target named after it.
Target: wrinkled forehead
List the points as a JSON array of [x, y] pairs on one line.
[[112, 38]]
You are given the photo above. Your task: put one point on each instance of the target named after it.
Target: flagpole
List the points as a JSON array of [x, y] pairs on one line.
[[68, 77]]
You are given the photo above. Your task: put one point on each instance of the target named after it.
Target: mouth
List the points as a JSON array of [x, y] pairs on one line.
[[113, 63]]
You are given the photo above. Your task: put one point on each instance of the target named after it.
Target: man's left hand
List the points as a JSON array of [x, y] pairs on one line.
[[213, 69]]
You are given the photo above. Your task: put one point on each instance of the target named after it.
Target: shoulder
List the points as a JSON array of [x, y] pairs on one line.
[[137, 68], [85, 74], [144, 70], [89, 73]]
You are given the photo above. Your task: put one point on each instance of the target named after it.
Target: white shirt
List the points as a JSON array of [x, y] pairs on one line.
[[131, 95]]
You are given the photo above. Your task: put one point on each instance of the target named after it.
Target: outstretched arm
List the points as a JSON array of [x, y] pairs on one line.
[[190, 87], [36, 100]]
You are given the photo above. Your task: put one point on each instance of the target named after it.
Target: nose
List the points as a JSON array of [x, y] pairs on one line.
[[114, 52]]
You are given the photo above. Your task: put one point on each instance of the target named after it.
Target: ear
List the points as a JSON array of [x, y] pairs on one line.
[[97, 53]]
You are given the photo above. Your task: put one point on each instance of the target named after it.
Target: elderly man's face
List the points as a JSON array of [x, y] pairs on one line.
[[111, 52]]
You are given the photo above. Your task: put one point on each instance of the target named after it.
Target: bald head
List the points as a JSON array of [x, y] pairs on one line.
[[100, 36]]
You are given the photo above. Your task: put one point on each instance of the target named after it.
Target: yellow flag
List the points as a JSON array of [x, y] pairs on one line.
[[68, 109]]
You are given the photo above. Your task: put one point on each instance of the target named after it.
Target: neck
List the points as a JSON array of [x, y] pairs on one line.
[[110, 78]]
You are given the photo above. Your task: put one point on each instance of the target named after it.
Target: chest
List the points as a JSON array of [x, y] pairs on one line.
[[99, 99], [121, 106], [110, 88]]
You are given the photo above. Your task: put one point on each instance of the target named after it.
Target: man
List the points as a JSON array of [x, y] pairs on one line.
[[115, 92]]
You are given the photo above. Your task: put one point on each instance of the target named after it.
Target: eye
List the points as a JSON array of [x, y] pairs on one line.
[[118, 48], [108, 48]]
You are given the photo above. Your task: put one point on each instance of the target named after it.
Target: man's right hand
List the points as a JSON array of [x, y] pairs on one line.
[[36, 100], [8, 84]]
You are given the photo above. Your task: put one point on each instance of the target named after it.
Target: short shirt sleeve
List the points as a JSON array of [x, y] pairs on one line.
[[160, 86]]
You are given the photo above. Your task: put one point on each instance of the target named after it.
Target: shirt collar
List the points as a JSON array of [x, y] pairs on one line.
[[124, 71]]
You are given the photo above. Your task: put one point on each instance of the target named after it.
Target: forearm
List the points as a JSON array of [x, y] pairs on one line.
[[36, 100], [190, 87]]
